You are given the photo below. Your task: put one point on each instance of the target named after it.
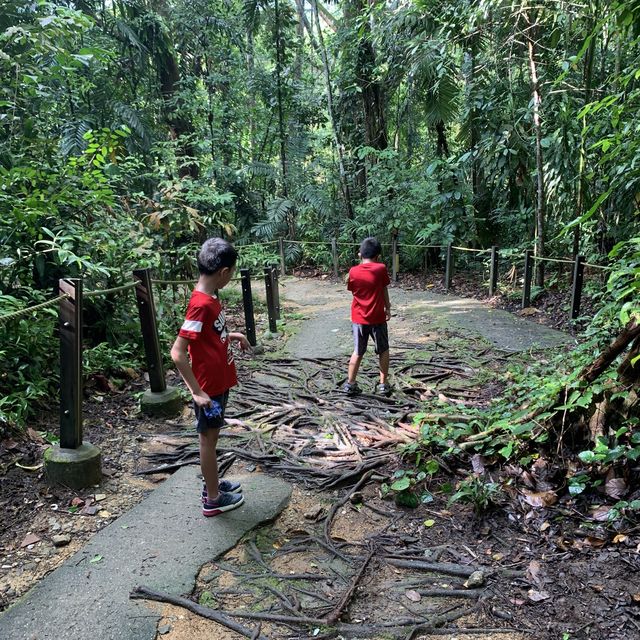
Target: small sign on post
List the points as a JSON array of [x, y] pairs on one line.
[[70, 316], [448, 271], [150, 339], [271, 307], [493, 272], [576, 287], [275, 289], [247, 303], [528, 274]]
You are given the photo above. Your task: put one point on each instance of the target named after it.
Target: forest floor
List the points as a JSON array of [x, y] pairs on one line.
[[546, 568]]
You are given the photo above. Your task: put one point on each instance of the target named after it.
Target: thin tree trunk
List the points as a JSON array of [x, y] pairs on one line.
[[338, 145], [537, 124]]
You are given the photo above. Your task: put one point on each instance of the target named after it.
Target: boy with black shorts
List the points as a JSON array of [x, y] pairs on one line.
[[370, 311], [203, 356]]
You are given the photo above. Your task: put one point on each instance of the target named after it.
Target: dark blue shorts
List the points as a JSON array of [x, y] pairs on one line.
[[378, 333], [203, 421]]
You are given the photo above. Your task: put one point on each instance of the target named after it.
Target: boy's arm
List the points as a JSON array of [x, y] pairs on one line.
[[180, 357], [387, 304], [241, 338]]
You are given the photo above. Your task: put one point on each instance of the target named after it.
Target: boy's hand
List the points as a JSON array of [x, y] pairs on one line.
[[387, 313], [202, 399], [242, 341]]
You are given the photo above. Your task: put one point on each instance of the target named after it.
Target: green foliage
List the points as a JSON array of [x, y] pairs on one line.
[[477, 491]]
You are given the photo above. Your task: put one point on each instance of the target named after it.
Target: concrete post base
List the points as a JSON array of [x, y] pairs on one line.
[[162, 404], [75, 468]]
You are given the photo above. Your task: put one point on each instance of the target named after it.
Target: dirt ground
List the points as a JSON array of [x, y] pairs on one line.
[[548, 570]]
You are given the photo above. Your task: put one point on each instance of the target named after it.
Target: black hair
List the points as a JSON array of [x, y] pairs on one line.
[[370, 248], [216, 254]]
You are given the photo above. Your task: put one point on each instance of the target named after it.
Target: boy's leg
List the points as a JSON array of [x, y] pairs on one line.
[[384, 366], [209, 461], [354, 367]]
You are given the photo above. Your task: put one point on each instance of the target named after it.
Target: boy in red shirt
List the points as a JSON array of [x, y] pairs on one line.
[[203, 356], [370, 311]]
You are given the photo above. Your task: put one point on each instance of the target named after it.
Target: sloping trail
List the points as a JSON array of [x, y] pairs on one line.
[[360, 567]]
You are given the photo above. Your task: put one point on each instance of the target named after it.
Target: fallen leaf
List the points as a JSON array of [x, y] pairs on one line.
[[615, 488], [545, 525], [429, 523], [29, 468], [534, 571], [96, 559], [601, 513], [540, 499], [477, 462], [30, 538], [537, 596], [620, 538], [529, 311], [99, 497], [414, 596], [104, 514], [594, 542], [636, 597], [597, 587], [35, 436], [77, 502]]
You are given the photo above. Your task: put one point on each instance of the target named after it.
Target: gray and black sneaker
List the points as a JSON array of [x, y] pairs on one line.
[[384, 389], [351, 388], [226, 486], [225, 502]]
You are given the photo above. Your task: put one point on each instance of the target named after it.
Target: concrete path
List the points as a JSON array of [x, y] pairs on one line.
[[161, 543], [327, 332]]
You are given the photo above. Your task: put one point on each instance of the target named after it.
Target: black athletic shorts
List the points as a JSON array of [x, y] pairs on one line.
[[378, 333], [216, 420]]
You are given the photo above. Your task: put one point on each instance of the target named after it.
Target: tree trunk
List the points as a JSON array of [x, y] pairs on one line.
[[537, 124], [336, 140]]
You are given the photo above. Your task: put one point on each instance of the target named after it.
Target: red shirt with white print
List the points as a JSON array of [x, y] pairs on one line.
[[206, 330]]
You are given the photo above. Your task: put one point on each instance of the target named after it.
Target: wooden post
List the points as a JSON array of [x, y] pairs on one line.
[[448, 271], [70, 318], [576, 287], [247, 303], [148, 324], [276, 290], [394, 258], [282, 263], [528, 273], [271, 308], [334, 254], [493, 272]]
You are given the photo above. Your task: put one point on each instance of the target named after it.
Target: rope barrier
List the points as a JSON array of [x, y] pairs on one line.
[[597, 266], [560, 260], [471, 250], [160, 281], [103, 292], [42, 305]]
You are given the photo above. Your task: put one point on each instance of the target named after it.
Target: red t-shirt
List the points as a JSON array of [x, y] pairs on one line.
[[205, 328], [367, 282]]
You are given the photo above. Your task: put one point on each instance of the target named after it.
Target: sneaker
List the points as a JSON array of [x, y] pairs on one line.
[[351, 389], [224, 486], [226, 502], [384, 389]]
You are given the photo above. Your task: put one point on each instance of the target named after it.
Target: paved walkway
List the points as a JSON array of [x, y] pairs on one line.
[[327, 332], [161, 543]]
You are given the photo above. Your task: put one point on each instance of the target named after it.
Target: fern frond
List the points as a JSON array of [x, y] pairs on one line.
[[72, 142], [129, 116]]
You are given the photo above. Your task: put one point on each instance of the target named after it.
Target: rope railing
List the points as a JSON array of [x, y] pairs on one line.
[[37, 307], [558, 260], [96, 293]]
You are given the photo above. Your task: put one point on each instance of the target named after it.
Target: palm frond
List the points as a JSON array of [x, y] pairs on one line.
[[129, 116], [275, 223], [72, 142]]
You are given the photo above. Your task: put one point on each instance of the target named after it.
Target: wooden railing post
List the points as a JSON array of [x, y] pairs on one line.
[[276, 290], [247, 303], [282, 261], [148, 324], [394, 258], [493, 272], [70, 317], [528, 274], [576, 287], [271, 308], [448, 271], [334, 254]]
